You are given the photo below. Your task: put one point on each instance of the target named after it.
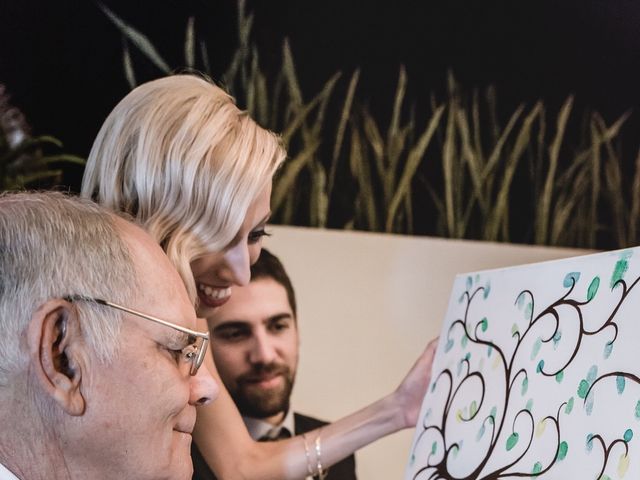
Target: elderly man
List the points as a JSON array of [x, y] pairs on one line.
[[99, 361], [255, 347]]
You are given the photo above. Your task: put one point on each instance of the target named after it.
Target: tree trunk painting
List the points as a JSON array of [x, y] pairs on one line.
[[536, 375]]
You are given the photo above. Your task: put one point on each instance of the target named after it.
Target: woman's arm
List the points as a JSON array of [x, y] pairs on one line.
[[223, 440]]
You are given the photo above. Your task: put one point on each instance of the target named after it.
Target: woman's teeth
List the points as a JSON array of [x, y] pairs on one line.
[[214, 293]]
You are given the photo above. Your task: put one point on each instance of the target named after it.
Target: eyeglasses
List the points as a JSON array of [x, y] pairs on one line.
[[193, 353]]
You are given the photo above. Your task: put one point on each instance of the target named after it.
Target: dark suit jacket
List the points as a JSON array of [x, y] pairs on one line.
[[344, 470]]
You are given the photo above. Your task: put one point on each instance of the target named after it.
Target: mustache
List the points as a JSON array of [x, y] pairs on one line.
[[262, 371]]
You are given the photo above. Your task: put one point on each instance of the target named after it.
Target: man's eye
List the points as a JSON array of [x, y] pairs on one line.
[[175, 353], [256, 235], [280, 326], [231, 335]]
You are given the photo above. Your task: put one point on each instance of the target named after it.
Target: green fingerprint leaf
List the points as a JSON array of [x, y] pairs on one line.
[[589, 442], [528, 311], [540, 366], [536, 348], [559, 376], [525, 386], [628, 435], [569, 407], [593, 288], [562, 451], [473, 409], [469, 283], [583, 388], [529, 405], [487, 290], [621, 268], [620, 384], [589, 404], [537, 468], [570, 279], [638, 410], [484, 323], [593, 374], [512, 440], [608, 348], [434, 448], [464, 340]]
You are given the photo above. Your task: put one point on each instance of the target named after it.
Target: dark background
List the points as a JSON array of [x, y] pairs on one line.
[[62, 60]]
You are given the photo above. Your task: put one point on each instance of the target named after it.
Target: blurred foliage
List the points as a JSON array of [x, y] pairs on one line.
[[23, 163], [464, 173]]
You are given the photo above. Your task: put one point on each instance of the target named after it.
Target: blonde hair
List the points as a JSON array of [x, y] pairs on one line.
[[178, 154]]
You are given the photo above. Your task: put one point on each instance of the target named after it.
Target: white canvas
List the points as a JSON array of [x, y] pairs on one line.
[[537, 375]]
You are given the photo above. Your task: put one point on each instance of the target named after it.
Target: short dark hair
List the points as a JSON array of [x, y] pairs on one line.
[[269, 266]]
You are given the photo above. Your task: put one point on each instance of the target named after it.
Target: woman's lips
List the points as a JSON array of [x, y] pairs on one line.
[[213, 296]]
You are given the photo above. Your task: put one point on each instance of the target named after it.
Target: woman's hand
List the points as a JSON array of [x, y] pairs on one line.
[[410, 394]]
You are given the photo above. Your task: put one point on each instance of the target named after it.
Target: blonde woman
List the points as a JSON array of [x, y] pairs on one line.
[[195, 171]]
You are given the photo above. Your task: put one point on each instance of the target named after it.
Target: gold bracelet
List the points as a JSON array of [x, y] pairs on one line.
[[322, 474], [306, 453]]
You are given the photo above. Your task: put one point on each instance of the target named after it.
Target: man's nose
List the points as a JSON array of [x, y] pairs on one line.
[[262, 349], [204, 388]]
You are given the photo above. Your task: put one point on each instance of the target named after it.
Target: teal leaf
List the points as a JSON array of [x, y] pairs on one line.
[[448, 346], [628, 435], [592, 374], [512, 440], [562, 451], [569, 407], [621, 268], [589, 404], [464, 340], [608, 348], [487, 290], [638, 410], [583, 388], [520, 301], [469, 283], [484, 323], [593, 288], [529, 405], [528, 311], [559, 376], [570, 279], [525, 386], [434, 448], [537, 468], [620, 384], [540, 366], [480, 433], [589, 443], [536, 348]]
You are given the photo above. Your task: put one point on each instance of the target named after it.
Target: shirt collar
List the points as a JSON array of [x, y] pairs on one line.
[[259, 428]]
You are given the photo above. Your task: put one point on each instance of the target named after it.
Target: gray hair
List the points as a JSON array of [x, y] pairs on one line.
[[51, 246]]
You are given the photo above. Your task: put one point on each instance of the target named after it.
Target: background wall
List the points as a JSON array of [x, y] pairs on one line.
[[368, 305]]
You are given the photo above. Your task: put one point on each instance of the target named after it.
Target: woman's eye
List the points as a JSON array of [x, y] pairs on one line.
[[256, 235]]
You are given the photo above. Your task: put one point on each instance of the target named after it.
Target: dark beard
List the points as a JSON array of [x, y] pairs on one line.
[[255, 403]]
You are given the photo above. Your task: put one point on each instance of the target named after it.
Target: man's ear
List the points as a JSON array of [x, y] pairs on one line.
[[55, 341]]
